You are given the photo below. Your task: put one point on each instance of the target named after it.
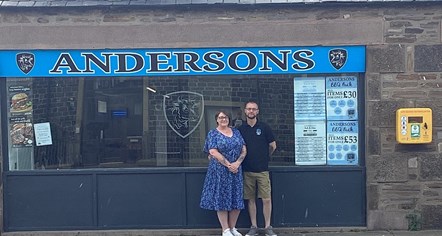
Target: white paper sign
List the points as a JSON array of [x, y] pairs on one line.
[[309, 97], [102, 107], [310, 143], [43, 134]]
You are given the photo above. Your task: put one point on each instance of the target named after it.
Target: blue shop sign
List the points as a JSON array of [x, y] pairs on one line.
[[188, 61]]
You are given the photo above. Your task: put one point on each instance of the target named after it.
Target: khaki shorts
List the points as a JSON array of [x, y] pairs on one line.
[[251, 180]]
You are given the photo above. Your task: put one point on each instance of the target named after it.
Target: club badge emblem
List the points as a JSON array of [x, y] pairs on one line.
[[25, 61], [183, 111], [337, 57]]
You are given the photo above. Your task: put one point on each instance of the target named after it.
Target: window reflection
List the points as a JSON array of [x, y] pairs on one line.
[[124, 122]]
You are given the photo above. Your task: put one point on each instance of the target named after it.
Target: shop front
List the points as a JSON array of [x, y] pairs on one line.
[[112, 138]]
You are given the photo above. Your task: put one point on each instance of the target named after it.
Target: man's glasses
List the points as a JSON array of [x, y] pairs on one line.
[[251, 109]]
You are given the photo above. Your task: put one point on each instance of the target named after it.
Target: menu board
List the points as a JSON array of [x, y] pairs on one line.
[[309, 97], [310, 143], [20, 118], [342, 95], [21, 101], [20, 131], [326, 120], [342, 142], [310, 135]]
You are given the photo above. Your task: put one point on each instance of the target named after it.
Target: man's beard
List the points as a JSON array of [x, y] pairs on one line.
[[251, 117]]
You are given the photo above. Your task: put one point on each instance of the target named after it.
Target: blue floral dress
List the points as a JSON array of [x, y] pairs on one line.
[[223, 190]]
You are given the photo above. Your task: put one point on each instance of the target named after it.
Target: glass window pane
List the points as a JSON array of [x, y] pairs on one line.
[[105, 122]]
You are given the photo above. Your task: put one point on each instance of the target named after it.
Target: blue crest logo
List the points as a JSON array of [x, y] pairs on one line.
[[337, 57], [25, 61]]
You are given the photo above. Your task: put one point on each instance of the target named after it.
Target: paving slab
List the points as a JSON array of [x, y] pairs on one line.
[[212, 232]]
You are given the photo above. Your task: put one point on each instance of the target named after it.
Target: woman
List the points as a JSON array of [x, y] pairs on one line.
[[223, 186]]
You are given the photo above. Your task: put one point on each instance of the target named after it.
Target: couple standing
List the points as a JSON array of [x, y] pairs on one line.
[[224, 187]]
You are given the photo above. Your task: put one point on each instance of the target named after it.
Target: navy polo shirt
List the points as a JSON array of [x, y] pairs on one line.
[[257, 140]]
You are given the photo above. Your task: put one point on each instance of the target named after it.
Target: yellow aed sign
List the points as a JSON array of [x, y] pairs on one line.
[[414, 125]]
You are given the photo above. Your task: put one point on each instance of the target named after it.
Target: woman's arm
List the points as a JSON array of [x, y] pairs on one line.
[[219, 157]]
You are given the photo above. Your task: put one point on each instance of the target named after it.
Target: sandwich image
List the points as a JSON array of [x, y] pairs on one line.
[[20, 103], [21, 134]]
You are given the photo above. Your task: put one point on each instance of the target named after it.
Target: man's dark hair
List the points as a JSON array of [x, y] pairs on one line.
[[251, 101]]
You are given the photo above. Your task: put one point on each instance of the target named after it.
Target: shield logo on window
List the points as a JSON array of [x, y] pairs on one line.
[[183, 111], [25, 61], [337, 57]]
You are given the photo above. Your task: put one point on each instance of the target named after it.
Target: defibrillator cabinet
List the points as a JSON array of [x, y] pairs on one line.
[[414, 125]]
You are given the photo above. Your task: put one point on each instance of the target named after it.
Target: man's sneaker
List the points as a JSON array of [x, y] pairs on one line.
[[253, 231], [235, 232], [269, 231], [227, 232]]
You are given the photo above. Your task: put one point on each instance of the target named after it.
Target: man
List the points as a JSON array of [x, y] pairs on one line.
[[260, 143]]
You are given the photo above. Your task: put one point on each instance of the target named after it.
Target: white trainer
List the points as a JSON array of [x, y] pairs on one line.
[[235, 232], [227, 232]]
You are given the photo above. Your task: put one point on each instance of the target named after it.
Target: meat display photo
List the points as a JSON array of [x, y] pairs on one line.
[[22, 134], [20, 102]]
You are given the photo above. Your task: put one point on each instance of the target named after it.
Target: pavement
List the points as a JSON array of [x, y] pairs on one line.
[[212, 232]]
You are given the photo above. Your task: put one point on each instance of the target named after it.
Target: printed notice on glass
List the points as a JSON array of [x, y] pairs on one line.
[[20, 99], [342, 95], [310, 143], [20, 131], [43, 134], [342, 143], [309, 97]]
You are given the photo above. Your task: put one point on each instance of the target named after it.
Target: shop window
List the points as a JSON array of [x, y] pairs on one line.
[[125, 122]]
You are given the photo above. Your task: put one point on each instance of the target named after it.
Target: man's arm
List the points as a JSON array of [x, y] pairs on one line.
[[272, 147], [235, 165]]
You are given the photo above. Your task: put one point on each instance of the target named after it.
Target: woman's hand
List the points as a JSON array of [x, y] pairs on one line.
[[234, 167]]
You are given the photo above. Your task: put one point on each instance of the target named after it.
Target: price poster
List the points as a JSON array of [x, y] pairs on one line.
[[326, 120], [342, 142], [342, 95], [309, 97], [310, 143]]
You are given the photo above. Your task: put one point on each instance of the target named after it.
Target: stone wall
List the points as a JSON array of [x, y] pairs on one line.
[[404, 69]]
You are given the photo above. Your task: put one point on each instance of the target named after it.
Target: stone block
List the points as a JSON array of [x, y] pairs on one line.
[[398, 38], [388, 140], [430, 167], [372, 197], [416, 148], [188, 34], [383, 113], [388, 58], [373, 143], [410, 94], [412, 162], [390, 220], [432, 216], [397, 195], [399, 86], [391, 167], [373, 87], [428, 58]]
